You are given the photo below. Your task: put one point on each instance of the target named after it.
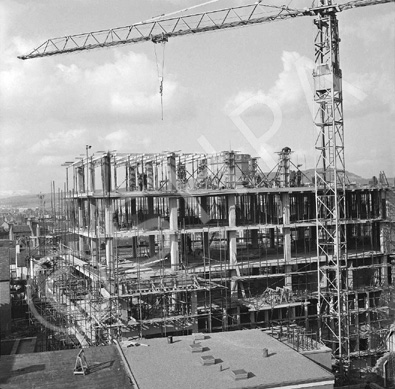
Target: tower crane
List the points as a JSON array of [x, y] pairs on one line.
[[328, 118]]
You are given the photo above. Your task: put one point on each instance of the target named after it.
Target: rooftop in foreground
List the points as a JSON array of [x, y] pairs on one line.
[[55, 370], [225, 358]]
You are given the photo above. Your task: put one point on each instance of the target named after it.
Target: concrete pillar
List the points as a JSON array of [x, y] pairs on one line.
[[81, 179], [149, 168], [94, 241], [232, 210], [108, 214], [306, 315], [271, 238], [271, 210], [224, 319], [204, 211], [288, 276], [132, 181], [95, 252], [80, 225], [232, 234], [92, 177], [173, 225], [356, 318], [194, 306], [151, 238], [254, 239], [133, 222], [232, 243], [350, 277], [253, 208], [181, 220], [92, 216], [286, 229], [231, 170], [238, 318], [106, 173], [206, 243], [266, 318], [367, 306], [171, 173], [253, 319], [173, 211]]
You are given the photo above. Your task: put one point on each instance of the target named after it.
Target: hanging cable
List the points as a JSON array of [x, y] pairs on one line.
[[160, 71]]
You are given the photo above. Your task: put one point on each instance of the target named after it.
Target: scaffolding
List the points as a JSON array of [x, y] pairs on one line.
[[167, 244]]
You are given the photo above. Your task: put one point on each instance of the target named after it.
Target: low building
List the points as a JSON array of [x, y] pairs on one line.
[[6, 247], [20, 232], [237, 359]]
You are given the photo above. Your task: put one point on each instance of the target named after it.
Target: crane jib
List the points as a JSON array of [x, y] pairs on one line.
[[161, 29]]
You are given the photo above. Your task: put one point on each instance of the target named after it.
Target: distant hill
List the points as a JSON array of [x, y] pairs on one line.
[[353, 178], [24, 201]]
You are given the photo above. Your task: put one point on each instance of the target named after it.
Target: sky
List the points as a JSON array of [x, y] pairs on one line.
[[246, 89]]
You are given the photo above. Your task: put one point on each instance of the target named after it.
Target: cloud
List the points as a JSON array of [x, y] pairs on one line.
[[293, 89], [124, 89], [124, 139], [382, 24], [50, 160], [289, 89], [56, 141]]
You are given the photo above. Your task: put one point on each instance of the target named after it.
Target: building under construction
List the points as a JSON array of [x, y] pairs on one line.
[[171, 244]]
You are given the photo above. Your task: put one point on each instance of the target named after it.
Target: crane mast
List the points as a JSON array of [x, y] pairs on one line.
[[332, 304], [330, 185]]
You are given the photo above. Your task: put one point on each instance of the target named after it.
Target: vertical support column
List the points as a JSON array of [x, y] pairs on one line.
[[204, 211], [132, 177], [232, 243], [134, 222], [92, 176], [266, 318], [173, 212], [253, 318], [253, 208], [384, 271], [306, 315], [181, 220], [224, 319], [231, 169], [271, 238], [350, 277], [151, 238], [108, 213], [80, 225], [368, 308], [94, 237], [254, 239], [173, 225], [194, 305], [149, 168], [288, 276], [81, 179], [286, 228], [356, 323], [232, 234], [204, 217]]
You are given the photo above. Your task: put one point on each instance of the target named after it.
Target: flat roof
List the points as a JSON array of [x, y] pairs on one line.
[[55, 370], [159, 364]]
